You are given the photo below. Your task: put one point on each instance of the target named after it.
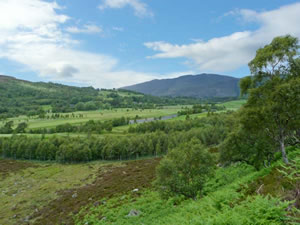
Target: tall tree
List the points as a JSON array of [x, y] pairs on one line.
[[274, 91]]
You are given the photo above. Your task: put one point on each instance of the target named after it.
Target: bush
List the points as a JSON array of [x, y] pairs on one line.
[[184, 170]]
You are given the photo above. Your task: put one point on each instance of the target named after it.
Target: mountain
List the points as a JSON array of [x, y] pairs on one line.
[[199, 86]]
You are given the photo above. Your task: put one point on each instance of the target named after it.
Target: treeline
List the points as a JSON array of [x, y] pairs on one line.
[[70, 149], [198, 108], [223, 120], [8, 128], [91, 126]]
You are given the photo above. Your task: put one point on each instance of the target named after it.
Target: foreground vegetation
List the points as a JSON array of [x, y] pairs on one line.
[[234, 196], [121, 193]]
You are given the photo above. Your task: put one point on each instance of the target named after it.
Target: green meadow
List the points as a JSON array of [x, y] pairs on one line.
[[100, 115]]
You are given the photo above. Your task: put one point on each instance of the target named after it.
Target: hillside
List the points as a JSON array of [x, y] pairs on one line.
[[200, 86], [19, 97]]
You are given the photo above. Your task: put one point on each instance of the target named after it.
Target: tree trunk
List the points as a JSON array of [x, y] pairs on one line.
[[282, 148]]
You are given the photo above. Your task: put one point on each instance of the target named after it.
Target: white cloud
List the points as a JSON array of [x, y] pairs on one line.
[[140, 8], [235, 50], [120, 29], [86, 29], [31, 34]]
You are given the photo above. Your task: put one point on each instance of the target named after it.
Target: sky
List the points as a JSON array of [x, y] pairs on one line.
[[115, 43]]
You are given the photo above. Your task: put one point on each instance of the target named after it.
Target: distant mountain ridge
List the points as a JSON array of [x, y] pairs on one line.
[[199, 86]]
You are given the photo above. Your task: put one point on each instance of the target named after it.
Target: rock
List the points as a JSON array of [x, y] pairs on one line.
[[74, 195], [134, 212], [27, 218], [135, 190], [96, 203], [90, 199]]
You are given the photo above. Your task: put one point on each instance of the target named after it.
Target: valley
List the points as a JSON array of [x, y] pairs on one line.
[[87, 156]]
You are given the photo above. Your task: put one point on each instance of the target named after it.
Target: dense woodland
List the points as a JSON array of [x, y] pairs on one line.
[[156, 142]]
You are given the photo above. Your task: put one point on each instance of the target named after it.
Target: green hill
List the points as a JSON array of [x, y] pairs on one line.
[[19, 97], [199, 86]]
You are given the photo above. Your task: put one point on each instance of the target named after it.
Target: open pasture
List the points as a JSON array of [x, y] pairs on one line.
[[101, 115], [234, 105]]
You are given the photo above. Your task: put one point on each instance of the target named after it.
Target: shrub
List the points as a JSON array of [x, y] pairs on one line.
[[184, 170]]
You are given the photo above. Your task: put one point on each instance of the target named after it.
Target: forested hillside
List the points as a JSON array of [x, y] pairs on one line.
[[18, 97]]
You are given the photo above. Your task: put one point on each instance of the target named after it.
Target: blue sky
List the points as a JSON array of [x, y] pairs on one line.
[[113, 43]]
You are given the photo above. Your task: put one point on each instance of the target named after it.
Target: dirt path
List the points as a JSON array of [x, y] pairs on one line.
[[110, 181]]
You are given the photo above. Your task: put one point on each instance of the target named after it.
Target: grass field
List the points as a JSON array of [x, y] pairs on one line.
[[104, 115], [234, 105], [101, 115]]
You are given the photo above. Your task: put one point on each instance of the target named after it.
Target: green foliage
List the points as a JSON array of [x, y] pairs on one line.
[[272, 112], [21, 128], [184, 170], [273, 108], [223, 204], [245, 84], [211, 131], [201, 108], [91, 126], [256, 149], [7, 128], [275, 58], [227, 175], [25, 98]]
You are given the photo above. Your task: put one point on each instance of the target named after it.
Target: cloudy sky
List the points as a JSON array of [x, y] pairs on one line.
[[113, 43]]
